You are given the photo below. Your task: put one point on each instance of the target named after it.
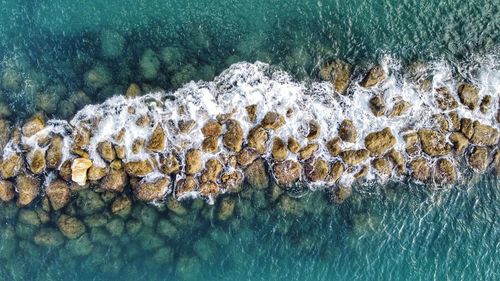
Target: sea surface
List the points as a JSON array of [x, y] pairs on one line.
[[58, 56]]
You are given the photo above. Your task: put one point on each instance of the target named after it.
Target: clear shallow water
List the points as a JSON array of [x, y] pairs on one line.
[[398, 232]]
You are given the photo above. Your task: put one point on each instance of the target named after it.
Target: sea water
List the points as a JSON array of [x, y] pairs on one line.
[[396, 230]]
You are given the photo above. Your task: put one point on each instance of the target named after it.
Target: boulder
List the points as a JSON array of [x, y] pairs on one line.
[[420, 169], [151, 190], [140, 168], [485, 104], [468, 95], [287, 173], [444, 99], [272, 121], [375, 76], [231, 181], [213, 169], [169, 164], [89, 202], [106, 151], [478, 159], [114, 181], [484, 134], [79, 169], [398, 160], [49, 238], [212, 128], [157, 140], [209, 189], [377, 106], [210, 144], [347, 131], [193, 161], [383, 166], [185, 186], [314, 130], [225, 208], [256, 174], [11, 165], [338, 73], [27, 188], [467, 127], [316, 170], [138, 145], [176, 207], [133, 91], [441, 123], [81, 138], [333, 146], [293, 145], [115, 227], [29, 217], [70, 227], [399, 108], [336, 172], [252, 112], [33, 126], [444, 171], [354, 157], [6, 191], [308, 151], [58, 193], [454, 119], [380, 142], [433, 143], [496, 162], [186, 126], [279, 151], [360, 172], [459, 141], [54, 153], [412, 143], [65, 170], [257, 139], [341, 193], [233, 138], [121, 206], [246, 156], [96, 173]]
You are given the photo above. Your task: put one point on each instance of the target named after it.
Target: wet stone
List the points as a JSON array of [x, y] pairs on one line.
[[478, 158], [287, 173], [467, 127], [338, 73], [233, 138], [114, 181], [6, 191], [273, 121], [212, 128], [212, 171], [252, 112], [445, 172], [336, 172], [341, 193], [377, 106], [209, 189], [399, 108], [433, 143], [11, 166], [460, 142], [374, 77], [54, 153], [210, 144], [70, 227], [231, 181], [454, 121], [347, 131], [398, 160], [308, 151], [444, 99], [485, 104], [484, 134], [139, 168], [256, 174], [185, 186], [333, 146], [354, 157], [468, 95], [316, 169], [27, 189], [193, 161], [157, 140], [279, 150], [412, 142], [106, 151], [59, 194], [79, 169], [314, 130], [225, 208], [88, 202], [382, 166], [186, 126], [121, 206], [420, 169], [293, 145], [380, 142], [33, 126], [152, 190], [257, 139], [169, 164], [96, 173], [246, 156]]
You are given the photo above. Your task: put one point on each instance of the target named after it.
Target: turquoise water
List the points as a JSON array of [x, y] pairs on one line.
[[396, 231]]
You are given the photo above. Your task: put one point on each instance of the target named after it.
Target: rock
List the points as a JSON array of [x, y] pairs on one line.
[[231, 181], [382, 166], [468, 95], [169, 164], [333, 146], [209, 189], [478, 159], [11, 165], [279, 151], [336, 172], [188, 268], [420, 169], [106, 151], [186, 126], [114, 181], [440, 122], [176, 207], [185, 186], [112, 44], [412, 143], [287, 173], [121, 206], [347, 131], [354, 157], [115, 227], [444, 99], [140, 168], [149, 64], [459, 141], [27, 188], [256, 174], [88, 202], [233, 138], [143, 121], [314, 130], [272, 121], [81, 246], [316, 169], [210, 144], [398, 159], [433, 143], [154, 190], [33, 126], [29, 217], [70, 227], [375, 76], [361, 172], [157, 140], [341, 193], [308, 151], [467, 127], [252, 112], [96, 173], [133, 91], [54, 153], [257, 138], [79, 170], [193, 161], [98, 77], [496, 162], [380, 142], [485, 104], [65, 170], [6, 191], [338, 73], [48, 237], [213, 169], [484, 134], [445, 172], [225, 208], [399, 108], [377, 106], [293, 145], [167, 229], [59, 194], [212, 128]]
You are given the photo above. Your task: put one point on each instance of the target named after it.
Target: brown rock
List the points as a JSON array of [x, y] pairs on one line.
[[211, 129], [485, 104], [479, 158], [377, 106], [121, 206], [273, 121], [212, 171], [460, 142], [11, 165], [361, 172], [382, 166], [152, 190], [143, 121], [496, 162], [468, 95], [441, 122], [120, 151], [157, 140], [257, 139], [433, 143], [226, 208], [210, 144], [209, 189], [444, 99], [420, 169], [59, 194], [399, 108], [27, 188], [398, 160], [79, 169], [231, 181], [33, 126], [133, 91], [169, 164], [333, 146], [186, 126], [246, 156], [193, 161], [380, 142], [140, 168], [338, 73], [256, 174], [354, 157], [65, 170], [70, 227], [115, 181], [279, 151], [224, 117], [308, 151], [184, 186], [293, 145], [106, 151], [287, 173], [96, 173], [375, 76], [5, 132], [341, 193], [36, 161], [81, 138], [336, 172], [445, 172], [54, 153], [454, 121], [6, 191], [314, 130], [252, 112], [316, 169], [233, 138], [347, 131], [484, 134], [412, 142], [467, 127]]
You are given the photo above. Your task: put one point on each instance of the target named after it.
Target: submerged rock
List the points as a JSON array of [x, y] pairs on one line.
[[445, 172], [287, 173], [70, 227], [48, 237], [338, 73], [27, 188], [256, 174]]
